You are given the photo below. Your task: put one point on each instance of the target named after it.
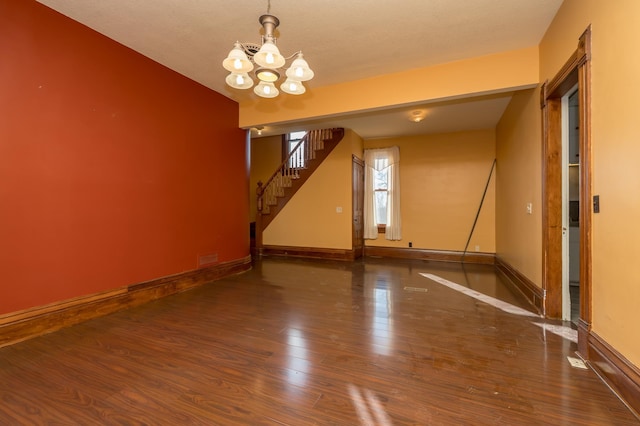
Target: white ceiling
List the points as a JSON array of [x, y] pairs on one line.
[[342, 41]]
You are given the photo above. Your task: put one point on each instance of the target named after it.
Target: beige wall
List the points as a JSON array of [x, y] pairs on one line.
[[311, 219], [519, 154], [266, 156], [442, 179]]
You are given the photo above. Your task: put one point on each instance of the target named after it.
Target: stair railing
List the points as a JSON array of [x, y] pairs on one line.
[[289, 169]]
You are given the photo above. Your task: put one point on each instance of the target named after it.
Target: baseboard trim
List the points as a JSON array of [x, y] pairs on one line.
[[434, 255], [22, 325], [306, 252], [622, 377], [532, 292]]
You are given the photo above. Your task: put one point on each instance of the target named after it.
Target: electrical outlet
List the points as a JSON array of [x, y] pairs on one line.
[[529, 208]]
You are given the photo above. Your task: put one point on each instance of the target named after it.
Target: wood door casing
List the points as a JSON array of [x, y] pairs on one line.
[[576, 70], [358, 207]]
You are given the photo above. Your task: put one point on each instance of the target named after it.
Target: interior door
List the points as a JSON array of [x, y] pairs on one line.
[[358, 207]]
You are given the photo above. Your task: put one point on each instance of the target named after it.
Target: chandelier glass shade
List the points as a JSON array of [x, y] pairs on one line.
[[268, 62]]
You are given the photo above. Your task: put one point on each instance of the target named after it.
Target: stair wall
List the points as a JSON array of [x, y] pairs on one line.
[[311, 218]]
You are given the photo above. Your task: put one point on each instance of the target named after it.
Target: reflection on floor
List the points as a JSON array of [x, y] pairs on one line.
[[299, 342]]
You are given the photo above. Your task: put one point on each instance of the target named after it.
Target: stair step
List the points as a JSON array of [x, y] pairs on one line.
[[293, 178]]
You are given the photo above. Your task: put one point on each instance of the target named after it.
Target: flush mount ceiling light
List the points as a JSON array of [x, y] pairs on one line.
[[268, 61], [417, 116]]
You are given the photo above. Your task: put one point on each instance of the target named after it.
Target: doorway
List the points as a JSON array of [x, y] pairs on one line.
[[572, 80], [571, 206]]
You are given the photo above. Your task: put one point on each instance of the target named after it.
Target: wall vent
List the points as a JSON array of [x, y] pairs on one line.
[[207, 259]]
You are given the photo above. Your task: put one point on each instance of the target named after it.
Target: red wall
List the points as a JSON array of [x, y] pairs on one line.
[[113, 169]]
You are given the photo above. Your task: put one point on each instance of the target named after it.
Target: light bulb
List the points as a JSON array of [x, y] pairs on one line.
[[267, 90], [269, 58], [299, 69], [237, 64], [239, 81], [293, 87]]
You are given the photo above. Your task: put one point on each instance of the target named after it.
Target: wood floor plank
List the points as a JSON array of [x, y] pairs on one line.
[[296, 342]]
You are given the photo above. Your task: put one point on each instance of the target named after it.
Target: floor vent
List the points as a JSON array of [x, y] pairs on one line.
[[416, 289]]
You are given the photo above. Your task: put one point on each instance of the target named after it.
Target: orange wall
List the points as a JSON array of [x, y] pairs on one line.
[[501, 72], [266, 156], [519, 155], [113, 169], [616, 175], [442, 179], [311, 219], [615, 150]]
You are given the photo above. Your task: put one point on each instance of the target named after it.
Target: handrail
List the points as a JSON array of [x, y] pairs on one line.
[[303, 151], [286, 160]]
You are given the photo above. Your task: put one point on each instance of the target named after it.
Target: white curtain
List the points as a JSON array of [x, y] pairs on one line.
[[394, 225]]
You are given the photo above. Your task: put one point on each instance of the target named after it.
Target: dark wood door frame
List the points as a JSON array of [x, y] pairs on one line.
[[358, 206], [577, 70]]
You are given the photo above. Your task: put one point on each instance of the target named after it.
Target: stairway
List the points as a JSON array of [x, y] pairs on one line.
[[303, 160]]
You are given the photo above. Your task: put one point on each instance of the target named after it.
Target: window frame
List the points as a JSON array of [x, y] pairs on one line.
[[286, 145], [391, 188]]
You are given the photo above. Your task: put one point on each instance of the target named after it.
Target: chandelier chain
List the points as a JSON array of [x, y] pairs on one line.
[[268, 7]]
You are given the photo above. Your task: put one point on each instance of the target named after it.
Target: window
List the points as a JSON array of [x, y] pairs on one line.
[[381, 190], [382, 193], [297, 160]]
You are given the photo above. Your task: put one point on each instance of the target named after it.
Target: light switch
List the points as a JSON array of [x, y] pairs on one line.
[[338, 209], [529, 208]]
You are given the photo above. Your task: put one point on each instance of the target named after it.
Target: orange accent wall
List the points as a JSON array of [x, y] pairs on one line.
[[113, 169]]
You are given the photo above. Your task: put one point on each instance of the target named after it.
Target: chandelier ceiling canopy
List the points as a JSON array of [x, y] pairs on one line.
[[266, 62]]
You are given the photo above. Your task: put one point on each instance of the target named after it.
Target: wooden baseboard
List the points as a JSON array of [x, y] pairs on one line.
[[307, 252], [622, 377], [532, 292], [22, 325], [434, 255], [584, 329]]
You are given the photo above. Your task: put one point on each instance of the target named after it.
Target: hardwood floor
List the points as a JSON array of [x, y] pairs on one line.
[[296, 342]]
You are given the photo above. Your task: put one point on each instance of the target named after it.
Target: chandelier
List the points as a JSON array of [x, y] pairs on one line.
[[268, 64]]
